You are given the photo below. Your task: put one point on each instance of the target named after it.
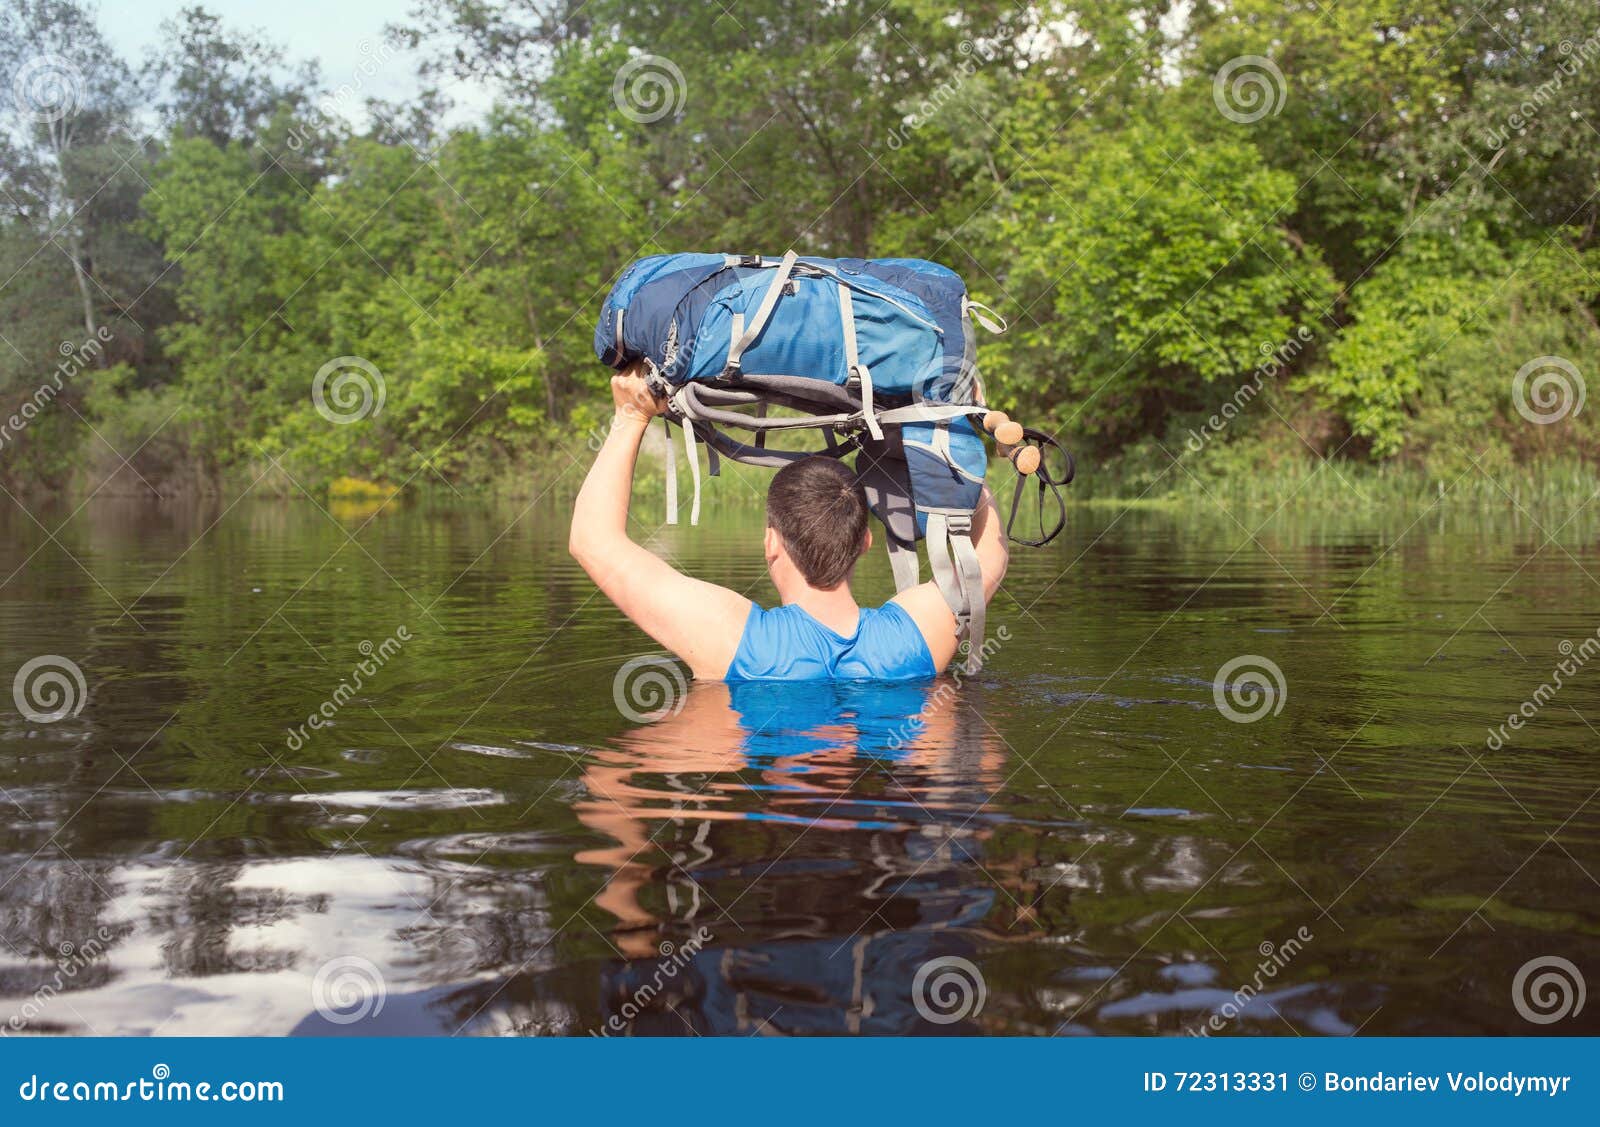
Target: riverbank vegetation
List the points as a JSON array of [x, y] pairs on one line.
[[1231, 240]]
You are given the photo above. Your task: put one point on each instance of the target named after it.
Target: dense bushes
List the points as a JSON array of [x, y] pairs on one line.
[[1291, 232]]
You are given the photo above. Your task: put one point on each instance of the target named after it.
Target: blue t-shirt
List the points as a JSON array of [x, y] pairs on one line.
[[787, 644]]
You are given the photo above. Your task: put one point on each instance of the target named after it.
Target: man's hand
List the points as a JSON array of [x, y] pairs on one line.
[[633, 397]]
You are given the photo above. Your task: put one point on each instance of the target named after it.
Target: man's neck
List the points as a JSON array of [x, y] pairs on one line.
[[835, 609]]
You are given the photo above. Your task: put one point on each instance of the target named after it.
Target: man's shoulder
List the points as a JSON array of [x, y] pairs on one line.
[[927, 608], [922, 597]]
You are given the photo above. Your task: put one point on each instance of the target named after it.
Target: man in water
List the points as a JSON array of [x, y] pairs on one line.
[[816, 531]]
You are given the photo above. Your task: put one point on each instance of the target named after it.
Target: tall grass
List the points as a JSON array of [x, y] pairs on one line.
[[1347, 485]]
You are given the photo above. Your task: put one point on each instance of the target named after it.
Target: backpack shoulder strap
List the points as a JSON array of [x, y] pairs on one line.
[[954, 562]]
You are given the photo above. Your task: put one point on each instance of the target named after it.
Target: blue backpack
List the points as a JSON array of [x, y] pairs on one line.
[[877, 354]]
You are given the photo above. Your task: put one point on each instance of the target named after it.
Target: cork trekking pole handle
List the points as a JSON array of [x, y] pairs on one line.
[[1007, 435], [1026, 459], [1007, 438]]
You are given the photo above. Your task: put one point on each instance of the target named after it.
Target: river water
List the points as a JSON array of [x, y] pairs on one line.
[[1215, 778]]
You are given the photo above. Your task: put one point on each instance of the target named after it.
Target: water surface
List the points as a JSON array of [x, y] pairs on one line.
[[494, 834]]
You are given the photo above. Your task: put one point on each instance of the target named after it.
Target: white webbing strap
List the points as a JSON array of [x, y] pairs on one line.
[[988, 318], [970, 573], [956, 572], [944, 571], [852, 359], [694, 468], [929, 412], [739, 341], [672, 473]]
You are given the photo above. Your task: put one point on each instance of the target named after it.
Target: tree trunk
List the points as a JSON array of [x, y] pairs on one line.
[[60, 142], [90, 325]]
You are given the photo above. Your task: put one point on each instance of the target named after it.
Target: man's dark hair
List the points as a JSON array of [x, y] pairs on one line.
[[818, 508]]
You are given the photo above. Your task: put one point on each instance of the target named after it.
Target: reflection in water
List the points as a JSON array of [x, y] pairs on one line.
[[1077, 839], [892, 778]]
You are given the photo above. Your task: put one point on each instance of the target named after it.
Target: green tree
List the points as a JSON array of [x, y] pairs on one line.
[[1149, 264]]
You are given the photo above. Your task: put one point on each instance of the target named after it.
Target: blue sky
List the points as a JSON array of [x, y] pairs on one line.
[[331, 31]]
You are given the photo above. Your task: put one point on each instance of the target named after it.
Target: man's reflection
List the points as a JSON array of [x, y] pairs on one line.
[[822, 842]]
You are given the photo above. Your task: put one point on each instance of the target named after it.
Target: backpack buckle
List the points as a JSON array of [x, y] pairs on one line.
[[959, 523], [749, 260]]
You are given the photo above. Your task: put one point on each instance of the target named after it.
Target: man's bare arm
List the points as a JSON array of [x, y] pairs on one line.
[[700, 622]]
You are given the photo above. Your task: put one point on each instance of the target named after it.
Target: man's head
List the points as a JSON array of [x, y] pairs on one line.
[[816, 522]]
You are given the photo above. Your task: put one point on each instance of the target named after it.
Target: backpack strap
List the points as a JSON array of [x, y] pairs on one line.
[[971, 575], [770, 459], [847, 321], [954, 562], [672, 473], [694, 467], [1049, 484], [985, 316], [744, 333], [902, 562], [931, 412]]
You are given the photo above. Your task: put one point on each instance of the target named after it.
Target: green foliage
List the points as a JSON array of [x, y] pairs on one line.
[[1437, 335], [1415, 193], [1153, 259]]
